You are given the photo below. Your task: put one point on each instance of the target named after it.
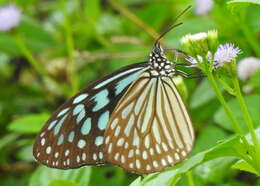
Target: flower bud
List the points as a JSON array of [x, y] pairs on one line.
[[200, 43], [10, 17], [247, 67]]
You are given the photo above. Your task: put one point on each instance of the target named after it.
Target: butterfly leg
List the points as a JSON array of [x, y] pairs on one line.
[[186, 75]]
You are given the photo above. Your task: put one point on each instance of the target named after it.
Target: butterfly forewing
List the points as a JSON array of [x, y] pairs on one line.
[[149, 129], [74, 135]]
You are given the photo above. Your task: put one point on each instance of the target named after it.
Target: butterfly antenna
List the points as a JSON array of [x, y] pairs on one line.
[[174, 25]]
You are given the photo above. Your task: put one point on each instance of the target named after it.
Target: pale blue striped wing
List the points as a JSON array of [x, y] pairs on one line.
[[150, 128]]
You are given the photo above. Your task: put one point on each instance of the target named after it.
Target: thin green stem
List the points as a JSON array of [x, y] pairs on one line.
[[248, 34], [34, 62], [245, 111], [190, 178], [70, 49], [132, 17], [29, 56], [251, 39], [231, 116], [255, 160]]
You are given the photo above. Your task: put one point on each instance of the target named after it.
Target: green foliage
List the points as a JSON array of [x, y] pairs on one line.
[[202, 94], [237, 2], [72, 43], [171, 176], [33, 123], [243, 165], [222, 119], [230, 147], [44, 176]]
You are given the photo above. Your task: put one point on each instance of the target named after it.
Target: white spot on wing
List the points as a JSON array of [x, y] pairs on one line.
[[127, 110], [137, 163], [48, 150], [129, 125], [120, 142]]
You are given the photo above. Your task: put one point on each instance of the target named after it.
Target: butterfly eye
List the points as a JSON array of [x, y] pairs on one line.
[[157, 49]]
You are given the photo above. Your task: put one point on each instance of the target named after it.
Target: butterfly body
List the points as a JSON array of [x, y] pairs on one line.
[[133, 118]]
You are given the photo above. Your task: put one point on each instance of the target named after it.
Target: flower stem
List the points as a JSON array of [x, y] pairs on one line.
[[228, 111], [34, 62], [255, 159], [190, 178], [132, 17], [70, 49], [27, 53], [245, 111], [249, 35]]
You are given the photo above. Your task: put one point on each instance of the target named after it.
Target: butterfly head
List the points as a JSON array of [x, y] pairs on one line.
[[159, 62]]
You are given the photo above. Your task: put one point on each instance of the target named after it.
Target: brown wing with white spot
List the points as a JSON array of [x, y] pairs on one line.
[[150, 128], [73, 136]]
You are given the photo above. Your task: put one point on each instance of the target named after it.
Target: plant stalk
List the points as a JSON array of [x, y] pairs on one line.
[[231, 116], [70, 49], [134, 19], [29, 56], [245, 111], [190, 178]]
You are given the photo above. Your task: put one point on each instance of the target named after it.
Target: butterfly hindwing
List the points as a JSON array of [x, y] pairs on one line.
[[74, 134], [149, 129]]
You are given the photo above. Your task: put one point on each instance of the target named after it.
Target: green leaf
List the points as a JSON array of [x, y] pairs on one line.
[[238, 2], [44, 176], [25, 153], [231, 147], [253, 14], [9, 138], [7, 44], [243, 165], [110, 175], [202, 94], [209, 137], [252, 103], [207, 171], [238, 6], [62, 183], [29, 124], [34, 35], [136, 182]]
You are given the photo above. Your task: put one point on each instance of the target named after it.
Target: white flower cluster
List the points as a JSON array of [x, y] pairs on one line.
[[203, 7], [194, 37], [10, 17], [224, 54], [247, 67]]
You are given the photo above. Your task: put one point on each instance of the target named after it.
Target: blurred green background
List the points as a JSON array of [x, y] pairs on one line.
[[76, 42]]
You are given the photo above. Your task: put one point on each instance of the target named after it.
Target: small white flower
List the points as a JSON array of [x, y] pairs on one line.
[[226, 53], [194, 37], [247, 67], [203, 7], [10, 17]]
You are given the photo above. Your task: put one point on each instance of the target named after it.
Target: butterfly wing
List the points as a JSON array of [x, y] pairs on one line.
[[73, 136], [150, 128]]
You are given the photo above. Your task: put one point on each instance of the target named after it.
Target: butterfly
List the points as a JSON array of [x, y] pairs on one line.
[[133, 118]]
